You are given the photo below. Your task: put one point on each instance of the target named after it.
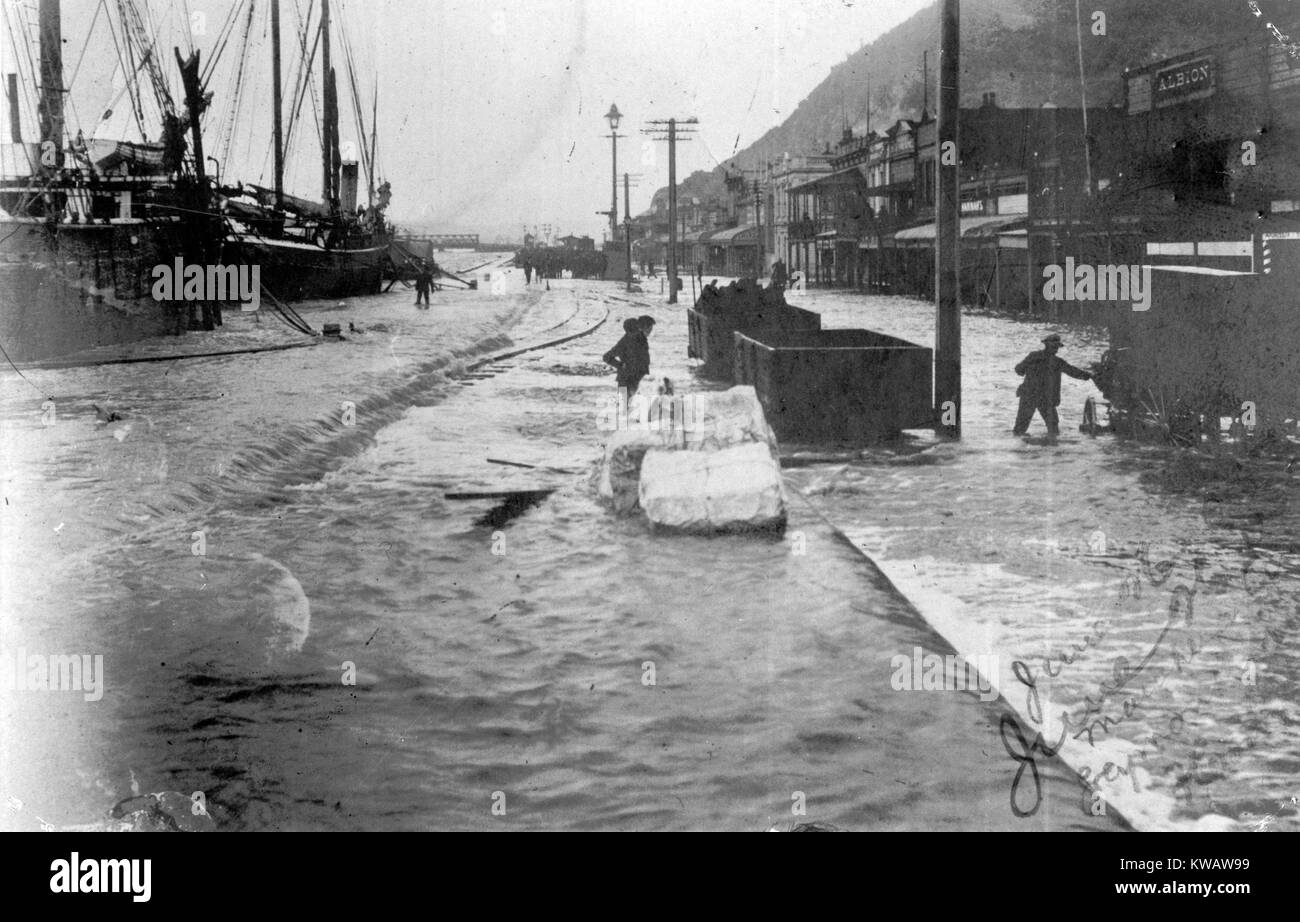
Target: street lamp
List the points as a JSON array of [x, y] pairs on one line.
[[613, 116]]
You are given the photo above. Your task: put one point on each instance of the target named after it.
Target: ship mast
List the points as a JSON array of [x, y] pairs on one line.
[[329, 130], [51, 107], [276, 93], [374, 128]]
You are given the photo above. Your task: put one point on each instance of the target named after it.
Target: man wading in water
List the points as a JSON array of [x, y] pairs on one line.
[[423, 282], [631, 354], [1041, 389]]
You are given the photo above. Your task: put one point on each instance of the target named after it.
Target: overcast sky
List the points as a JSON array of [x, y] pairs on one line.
[[491, 113], [509, 125]]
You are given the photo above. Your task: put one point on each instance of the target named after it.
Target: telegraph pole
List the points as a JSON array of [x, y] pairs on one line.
[[627, 226], [947, 333], [672, 130], [672, 211]]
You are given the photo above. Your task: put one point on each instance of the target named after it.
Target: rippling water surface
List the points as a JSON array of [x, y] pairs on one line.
[[569, 668]]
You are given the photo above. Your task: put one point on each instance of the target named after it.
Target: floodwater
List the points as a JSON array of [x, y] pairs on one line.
[[1169, 579], [355, 650]]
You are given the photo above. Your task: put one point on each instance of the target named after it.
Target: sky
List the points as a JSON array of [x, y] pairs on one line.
[[491, 113]]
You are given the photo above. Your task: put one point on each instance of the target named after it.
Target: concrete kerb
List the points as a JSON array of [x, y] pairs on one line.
[[993, 680]]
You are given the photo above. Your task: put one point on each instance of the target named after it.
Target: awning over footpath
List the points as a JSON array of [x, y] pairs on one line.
[[745, 235], [892, 188], [982, 226], [830, 182]]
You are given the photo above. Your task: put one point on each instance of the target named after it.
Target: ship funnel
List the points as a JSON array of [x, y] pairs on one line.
[[348, 186]]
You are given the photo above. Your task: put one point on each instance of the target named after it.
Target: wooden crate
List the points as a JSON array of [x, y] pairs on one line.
[[837, 385]]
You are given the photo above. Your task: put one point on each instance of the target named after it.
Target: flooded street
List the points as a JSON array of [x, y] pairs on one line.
[[297, 621], [1150, 595]]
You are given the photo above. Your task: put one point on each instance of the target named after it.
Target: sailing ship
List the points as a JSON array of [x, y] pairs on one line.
[[307, 249], [83, 222]]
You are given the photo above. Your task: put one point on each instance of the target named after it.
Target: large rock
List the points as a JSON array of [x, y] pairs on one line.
[[714, 464], [730, 417], [620, 471], [734, 488]]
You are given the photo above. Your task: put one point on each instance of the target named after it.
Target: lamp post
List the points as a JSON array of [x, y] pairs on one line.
[[613, 116]]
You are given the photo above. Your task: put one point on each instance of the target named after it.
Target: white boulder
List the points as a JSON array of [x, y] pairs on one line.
[[732, 488], [727, 418], [620, 470], [709, 462]]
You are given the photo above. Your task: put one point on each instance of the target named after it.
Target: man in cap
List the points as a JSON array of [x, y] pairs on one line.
[[1041, 389]]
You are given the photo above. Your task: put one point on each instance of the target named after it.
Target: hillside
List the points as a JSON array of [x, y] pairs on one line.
[[1023, 50]]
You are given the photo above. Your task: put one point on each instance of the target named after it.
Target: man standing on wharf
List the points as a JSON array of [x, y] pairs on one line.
[[1041, 389]]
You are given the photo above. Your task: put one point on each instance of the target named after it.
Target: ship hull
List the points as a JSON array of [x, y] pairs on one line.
[[294, 271], [79, 286]]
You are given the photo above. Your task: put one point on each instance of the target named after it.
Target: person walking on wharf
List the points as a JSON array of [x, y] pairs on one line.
[[1041, 389], [630, 356]]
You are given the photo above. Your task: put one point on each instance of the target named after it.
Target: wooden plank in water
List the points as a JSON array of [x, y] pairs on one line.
[[503, 494]]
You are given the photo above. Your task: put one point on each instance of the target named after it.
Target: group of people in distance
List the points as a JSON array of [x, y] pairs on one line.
[[553, 262]]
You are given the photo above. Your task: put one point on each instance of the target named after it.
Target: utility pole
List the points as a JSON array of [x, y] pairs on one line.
[[947, 333], [758, 226], [1083, 93], [627, 226], [925, 84], [672, 211], [673, 127]]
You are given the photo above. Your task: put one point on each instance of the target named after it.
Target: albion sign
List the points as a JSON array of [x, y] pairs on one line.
[[1185, 79]]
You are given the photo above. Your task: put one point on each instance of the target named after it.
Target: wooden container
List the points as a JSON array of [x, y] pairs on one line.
[[837, 385]]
